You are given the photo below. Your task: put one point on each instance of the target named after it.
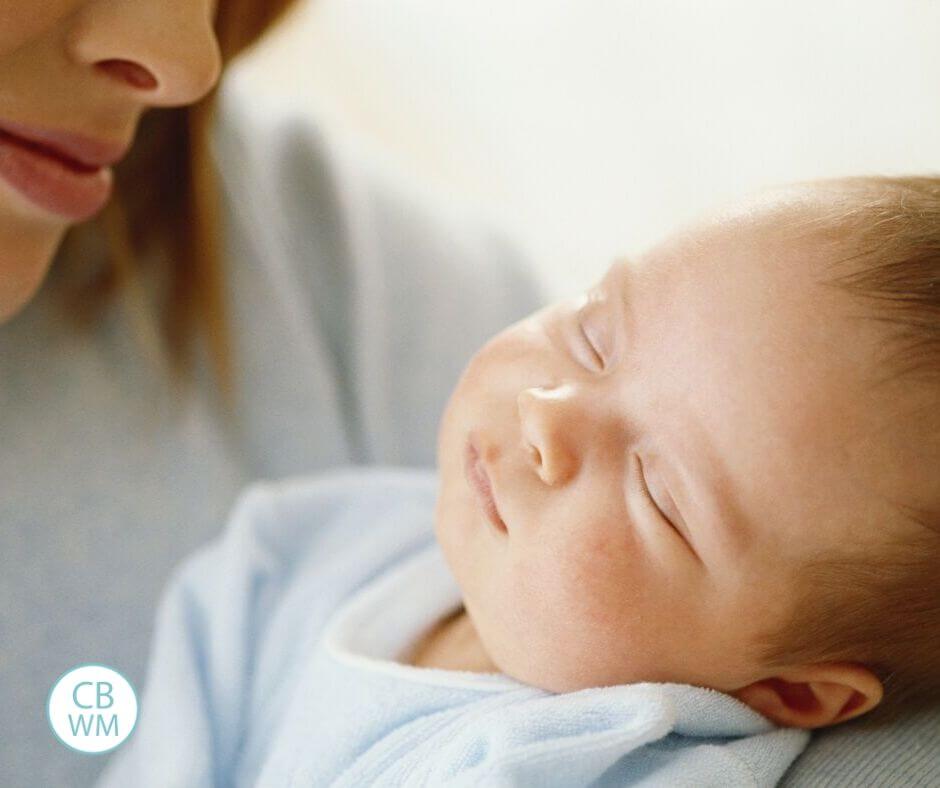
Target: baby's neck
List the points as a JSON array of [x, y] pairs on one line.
[[452, 644]]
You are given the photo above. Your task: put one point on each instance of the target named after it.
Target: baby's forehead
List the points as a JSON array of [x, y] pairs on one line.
[[792, 215], [735, 312], [766, 226], [726, 263]]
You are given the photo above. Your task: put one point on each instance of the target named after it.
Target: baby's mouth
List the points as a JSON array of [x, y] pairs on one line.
[[479, 482]]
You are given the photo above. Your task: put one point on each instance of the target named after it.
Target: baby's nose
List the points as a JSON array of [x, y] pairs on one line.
[[549, 422]]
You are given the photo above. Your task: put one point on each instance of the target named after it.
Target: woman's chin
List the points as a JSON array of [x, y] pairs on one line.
[[26, 253], [21, 282]]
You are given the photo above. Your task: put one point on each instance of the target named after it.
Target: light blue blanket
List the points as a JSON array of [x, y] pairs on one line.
[[274, 664]]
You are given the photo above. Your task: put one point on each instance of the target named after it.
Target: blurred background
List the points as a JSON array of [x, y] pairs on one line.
[[592, 128]]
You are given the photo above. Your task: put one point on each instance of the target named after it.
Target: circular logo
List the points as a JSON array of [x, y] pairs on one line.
[[92, 708]]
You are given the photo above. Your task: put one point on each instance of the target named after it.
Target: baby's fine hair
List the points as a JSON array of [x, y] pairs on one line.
[[882, 611]]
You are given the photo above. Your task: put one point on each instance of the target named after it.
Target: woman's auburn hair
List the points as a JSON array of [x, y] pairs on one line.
[[159, 238]]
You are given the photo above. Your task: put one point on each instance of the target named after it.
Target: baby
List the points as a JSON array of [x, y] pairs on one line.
[[716, 470], [717, 467]]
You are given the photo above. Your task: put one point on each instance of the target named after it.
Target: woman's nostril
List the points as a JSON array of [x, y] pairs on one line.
[[133, 74]]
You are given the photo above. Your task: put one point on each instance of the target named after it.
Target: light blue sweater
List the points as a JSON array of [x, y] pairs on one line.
[[275, 664]]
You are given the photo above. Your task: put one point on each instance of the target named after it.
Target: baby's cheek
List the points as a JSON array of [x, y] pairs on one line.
[[622, 597], [571, 616], [580, 586]]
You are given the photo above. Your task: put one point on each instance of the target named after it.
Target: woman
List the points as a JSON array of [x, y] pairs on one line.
[[182, 347]]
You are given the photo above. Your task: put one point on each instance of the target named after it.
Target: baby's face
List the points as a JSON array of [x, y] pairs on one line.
[[713, 371]]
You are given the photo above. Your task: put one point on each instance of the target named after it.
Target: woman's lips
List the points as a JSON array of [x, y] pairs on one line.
[[61, 173], [480, 484]]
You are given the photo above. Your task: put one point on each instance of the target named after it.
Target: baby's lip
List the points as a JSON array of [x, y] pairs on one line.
[[479, 481]]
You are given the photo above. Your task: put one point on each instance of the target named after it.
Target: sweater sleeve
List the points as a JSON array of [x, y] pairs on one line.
[[358, 293]]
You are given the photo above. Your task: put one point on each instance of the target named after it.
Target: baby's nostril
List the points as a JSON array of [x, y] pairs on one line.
[[131, 73]]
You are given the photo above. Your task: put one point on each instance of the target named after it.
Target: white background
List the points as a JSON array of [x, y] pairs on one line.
[[594, 126]]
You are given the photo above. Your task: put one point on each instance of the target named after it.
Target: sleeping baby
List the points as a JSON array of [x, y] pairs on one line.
[[677, 522]]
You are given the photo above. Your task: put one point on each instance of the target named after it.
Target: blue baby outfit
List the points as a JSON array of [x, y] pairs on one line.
[[274, 664]]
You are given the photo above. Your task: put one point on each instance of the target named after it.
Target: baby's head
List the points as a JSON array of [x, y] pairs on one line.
[[719, 466]]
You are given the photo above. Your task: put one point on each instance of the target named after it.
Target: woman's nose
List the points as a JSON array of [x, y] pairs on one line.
[[165, 51], [551, 420]]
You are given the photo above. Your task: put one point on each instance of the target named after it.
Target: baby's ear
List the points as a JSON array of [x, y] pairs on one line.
[[813, 696]]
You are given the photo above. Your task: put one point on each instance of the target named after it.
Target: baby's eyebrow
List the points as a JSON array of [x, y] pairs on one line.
[[623, 288]]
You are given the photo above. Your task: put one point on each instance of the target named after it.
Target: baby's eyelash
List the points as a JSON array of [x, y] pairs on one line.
[[594, 351], [649, 495]]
